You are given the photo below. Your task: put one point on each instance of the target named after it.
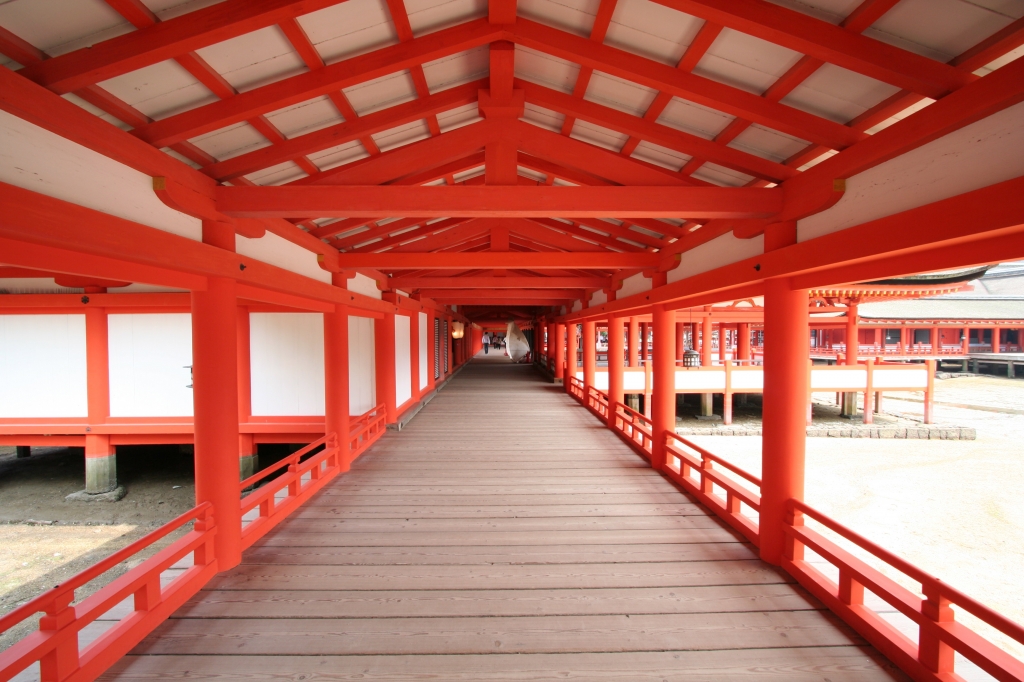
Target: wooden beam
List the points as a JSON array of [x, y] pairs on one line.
[[487, 201], [486, 260], [486, 282]]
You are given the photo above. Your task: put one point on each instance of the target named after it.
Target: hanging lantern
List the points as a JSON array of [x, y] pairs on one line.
[[691, 358], [458, 329]]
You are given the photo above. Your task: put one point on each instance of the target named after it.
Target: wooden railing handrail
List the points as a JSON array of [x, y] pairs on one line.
[[287, 461], [716, 459]]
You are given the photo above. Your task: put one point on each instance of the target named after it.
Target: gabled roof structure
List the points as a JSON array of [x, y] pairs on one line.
[[622, 132]]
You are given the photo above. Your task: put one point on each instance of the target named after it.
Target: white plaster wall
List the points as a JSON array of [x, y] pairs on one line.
[[634, 285], [287, 360], [979, 155], [278, 251], [149, 359], [720, 251], [599, 298], [361, 284], [42, 366], [577, 306], [362, 393], [36, 159], [33, 285], [403, 359], [422, 321]]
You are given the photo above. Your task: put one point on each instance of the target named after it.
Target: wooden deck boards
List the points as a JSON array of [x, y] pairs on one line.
[[503, 534]]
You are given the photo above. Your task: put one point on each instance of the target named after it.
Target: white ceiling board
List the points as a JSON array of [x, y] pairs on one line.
[[402, 135], [339, 155], [912, 109], [280, 174], [159, 90], [719, 175], [456, 118], [185, 160], [652, 30], [427, 16], [231, 141], [942, 29], [1000, 62], [380, 93], [254, 59], [767, 143], [457, 69], [660, 156], [531, 174], [693, 118], [470, 173], [59, 26], [832, 11], [543, 118], [168, 9], [614, 92], [745, 62], [96, 111], [349, 29], [545, 69], [574, 16], [839, 95], [305, 117], [598, 135]]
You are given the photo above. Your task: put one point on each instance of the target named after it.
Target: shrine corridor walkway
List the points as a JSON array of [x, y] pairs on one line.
[[503, 534]]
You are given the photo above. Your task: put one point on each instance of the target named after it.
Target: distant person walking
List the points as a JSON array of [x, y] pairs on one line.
[[486, 338]]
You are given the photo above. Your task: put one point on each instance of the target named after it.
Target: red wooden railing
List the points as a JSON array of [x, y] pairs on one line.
[[366, 430], [931, 658], [576, 388], [55, 645]]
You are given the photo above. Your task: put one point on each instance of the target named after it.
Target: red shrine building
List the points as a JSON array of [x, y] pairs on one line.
[[237, 223]]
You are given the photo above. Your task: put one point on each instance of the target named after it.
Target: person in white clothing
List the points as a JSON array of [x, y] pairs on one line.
[[486, 338]]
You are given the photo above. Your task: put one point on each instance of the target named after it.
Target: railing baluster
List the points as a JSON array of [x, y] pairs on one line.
[[62, 661], [934, 654]]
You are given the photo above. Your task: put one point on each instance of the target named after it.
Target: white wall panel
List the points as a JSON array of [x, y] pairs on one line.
[[149, 359], [362, 393], [422, 321], [714, 254], [633, 285], [403, 359], [287, 363], [278, 251], [361, 284], [42, 366]]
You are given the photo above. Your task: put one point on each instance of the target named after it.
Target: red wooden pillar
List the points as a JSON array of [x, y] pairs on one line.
[[644, 337], [995, 339], [633, 342], [384, 337], [589, 355], [215, 399], [663, 403], [616, 350], [560, 352], [414, 355], [430, 351], [933, 340], [743, 345], [707, 330], [336, 381], [786, 373], [849, 399], [680, 340], [100, 455], [248, 462]]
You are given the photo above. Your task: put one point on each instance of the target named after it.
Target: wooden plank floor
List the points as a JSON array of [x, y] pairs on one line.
[[503, 534]]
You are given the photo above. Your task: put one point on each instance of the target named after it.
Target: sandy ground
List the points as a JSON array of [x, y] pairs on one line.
[[953, 508]]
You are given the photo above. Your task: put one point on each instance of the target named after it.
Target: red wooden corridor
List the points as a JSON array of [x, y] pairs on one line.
[[505, 533]]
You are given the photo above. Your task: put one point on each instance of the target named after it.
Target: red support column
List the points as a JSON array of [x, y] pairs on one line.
[[633, 342], [786, 375], [645, 335], [849, 399], [100, 455], [431, 381], [384, 337], [589, 355], [336, 381], [743, 345], [995, 339], [248, 462], [934, 340], [663, 403], [616, 351], [707, 400], [680, 340], [215, 399], [414, 355], [560, 352]]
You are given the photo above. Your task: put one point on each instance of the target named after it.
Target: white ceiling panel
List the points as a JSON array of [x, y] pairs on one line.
[[837, 94], [544, 118], [767, 143], [280, 174], [185, 160], [531, 174], [339, 155], [694, 118], [402, 135], [598, 135], [427, 16], [168, 9], [381, 93], [620, 94], [651, 30], [254, 59], [349, 28], [1002, 61], [159, 90], [305, 117], [912, 109], [720, 175], [59, 26], [457, 69], [96, 111], [545, 69], [745, 62], [470, 173], [456, 118], [832, 11], [942, 29], [231, 141], [574, 16], [660, 156]]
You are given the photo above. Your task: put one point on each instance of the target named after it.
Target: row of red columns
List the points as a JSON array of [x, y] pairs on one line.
[[786, 375]]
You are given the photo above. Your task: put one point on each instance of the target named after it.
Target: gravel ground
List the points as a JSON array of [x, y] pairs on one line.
[[953, 508]]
